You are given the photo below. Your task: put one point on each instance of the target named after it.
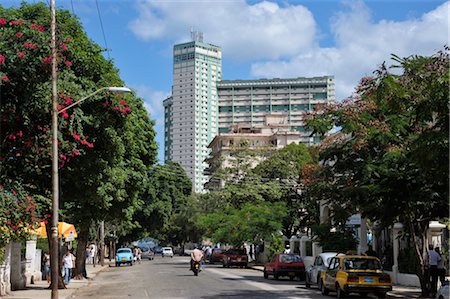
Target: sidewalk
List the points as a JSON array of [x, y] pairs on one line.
[[397, 291], [40, 290]]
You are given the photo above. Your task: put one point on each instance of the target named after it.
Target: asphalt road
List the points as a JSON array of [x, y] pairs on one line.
[[171, 278]]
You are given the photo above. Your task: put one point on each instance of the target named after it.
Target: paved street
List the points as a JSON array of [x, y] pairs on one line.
[[170, 278]]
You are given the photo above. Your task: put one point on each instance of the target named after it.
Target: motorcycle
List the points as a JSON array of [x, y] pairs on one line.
[[196, 267]]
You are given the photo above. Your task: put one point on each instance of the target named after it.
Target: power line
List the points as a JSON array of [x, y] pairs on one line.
[[103, 30]]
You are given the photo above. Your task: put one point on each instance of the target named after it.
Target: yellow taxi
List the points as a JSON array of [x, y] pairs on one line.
[[355, 274]]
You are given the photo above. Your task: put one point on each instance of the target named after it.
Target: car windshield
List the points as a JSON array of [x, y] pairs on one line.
[[361, 264], [290, 258], [217, 250], [167, 249], [124, 250]]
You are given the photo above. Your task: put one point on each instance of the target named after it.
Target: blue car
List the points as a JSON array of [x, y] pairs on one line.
[[124, 256]]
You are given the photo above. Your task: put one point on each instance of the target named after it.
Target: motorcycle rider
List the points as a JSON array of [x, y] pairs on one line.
[[196, 256]]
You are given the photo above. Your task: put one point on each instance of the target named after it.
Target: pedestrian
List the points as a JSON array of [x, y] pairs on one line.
[[87, 255], [92, 254], [371, 252], [69, 262], [46, 263], [440, 267], [433, 260], [139, 255], [287, 249]]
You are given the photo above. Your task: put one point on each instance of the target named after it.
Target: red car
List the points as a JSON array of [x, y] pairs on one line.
[[216, 255], [290, 265], [235, 257]]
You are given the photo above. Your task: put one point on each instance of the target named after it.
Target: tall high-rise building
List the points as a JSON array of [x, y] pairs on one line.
[[191, 113]]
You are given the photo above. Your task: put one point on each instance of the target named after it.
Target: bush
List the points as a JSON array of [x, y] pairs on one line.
[[408, 261], [341, 240]]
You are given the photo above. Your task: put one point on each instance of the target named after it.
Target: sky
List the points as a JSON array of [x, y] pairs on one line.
[[348, 39]]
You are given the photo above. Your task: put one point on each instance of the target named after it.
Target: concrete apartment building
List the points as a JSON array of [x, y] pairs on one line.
[[272, 135], [249, 101], [191, 113]]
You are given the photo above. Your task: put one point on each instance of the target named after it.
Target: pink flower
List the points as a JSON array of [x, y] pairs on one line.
[[64, 46], [19, 134], [106, 104], [63, 157], [68, 63], [38, 27], [123, 102], [116, 108], [29, 45], [16, 22], [19, 34], [47, 59], [76, 136], [11, 136], [76, 152], [68, 101], [90, 145], [84, 142], [2, 22], [65, 115], [5, 78], [61, 107], [2, 59], [21, 54]]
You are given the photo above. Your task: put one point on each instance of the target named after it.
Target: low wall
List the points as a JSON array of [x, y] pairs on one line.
[[405, 279]]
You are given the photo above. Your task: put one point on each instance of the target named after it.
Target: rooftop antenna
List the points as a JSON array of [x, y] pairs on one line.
[[196, 36]]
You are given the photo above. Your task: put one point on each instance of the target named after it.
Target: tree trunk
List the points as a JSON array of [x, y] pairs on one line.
[[61, 285], [80, 268]]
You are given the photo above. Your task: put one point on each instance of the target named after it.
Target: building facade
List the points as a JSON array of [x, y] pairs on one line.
[[249, 101], [191, 113], [258, 142]]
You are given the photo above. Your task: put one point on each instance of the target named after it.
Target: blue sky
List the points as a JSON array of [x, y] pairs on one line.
[[260, 39]]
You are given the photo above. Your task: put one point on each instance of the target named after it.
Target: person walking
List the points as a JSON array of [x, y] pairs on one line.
[[46, 263], [69, 262], [440, 267], [433, 260]]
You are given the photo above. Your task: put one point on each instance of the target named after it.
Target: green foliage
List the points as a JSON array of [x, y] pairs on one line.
[[276, 245], [340, 240], [252, 222], [166, 204], [387, 160]]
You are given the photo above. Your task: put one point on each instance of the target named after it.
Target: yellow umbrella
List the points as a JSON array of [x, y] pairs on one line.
[[64, 229]]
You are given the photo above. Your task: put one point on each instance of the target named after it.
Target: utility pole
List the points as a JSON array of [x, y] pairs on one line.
[[54, 256], [102, 242]]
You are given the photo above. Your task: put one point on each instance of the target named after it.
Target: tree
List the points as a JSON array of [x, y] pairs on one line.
[[253, 222], [105, 146], [387, 160], [165, 199], [286, 168]]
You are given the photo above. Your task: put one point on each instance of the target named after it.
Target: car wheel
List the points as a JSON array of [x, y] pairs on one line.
[[265, 274], [275, 275], [339, 292], [323, 288], [383, 295], [131, 263], [223, 265]]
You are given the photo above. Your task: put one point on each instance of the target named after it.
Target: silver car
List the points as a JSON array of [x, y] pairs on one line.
[[443, 292], [320, 264]]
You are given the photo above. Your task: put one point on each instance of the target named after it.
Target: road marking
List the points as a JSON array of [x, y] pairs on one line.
[[146, 293], [259, 285]]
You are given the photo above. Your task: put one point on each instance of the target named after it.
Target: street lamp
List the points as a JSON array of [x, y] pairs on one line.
[[55, 181]]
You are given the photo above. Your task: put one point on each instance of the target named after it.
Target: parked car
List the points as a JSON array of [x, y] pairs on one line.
[[124, 256], [216, 255], [147, 253], [158, 250], [167, 251], [355, 274], [443, 292], [235, 257], [290, 265], [320, 264]]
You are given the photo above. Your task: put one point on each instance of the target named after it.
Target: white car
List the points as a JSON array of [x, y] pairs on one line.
[[167, 251], [443, 292], [320, 263]]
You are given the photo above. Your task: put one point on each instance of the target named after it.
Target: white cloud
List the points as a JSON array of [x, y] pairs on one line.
[[244, 31], [361, 45]]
